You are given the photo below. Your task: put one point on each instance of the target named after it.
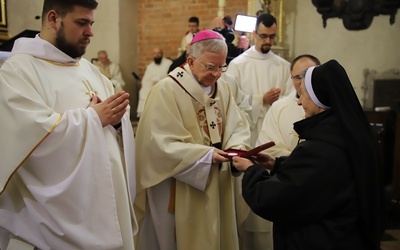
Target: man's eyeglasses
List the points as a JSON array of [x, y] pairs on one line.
[[265, 36], [212, 68], [297, 77]]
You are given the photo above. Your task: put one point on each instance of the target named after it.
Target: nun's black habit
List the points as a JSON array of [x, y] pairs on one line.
[[327, 194]]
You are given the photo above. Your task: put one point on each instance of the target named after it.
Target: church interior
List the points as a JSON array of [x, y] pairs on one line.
[[365, 41]]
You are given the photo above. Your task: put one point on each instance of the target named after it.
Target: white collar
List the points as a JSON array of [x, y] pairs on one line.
[[41, 48]]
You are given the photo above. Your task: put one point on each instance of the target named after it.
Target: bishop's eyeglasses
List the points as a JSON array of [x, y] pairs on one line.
[[212, 68]]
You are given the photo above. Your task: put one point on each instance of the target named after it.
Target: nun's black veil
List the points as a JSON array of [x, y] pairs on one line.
[[333, 88]]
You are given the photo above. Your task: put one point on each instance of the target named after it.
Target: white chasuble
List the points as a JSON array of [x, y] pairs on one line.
[[171, 134], [66, 183]]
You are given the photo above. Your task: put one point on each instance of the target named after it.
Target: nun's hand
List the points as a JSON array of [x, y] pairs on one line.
[[264, 160], [241, 164]]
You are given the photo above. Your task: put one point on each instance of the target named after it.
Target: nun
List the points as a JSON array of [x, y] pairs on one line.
[[328, 193]]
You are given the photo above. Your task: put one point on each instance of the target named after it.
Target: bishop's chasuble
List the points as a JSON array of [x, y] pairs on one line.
[[176, 133], [64, 180]]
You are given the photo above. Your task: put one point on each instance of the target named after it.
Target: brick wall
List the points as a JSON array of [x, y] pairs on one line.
[[162, 23]]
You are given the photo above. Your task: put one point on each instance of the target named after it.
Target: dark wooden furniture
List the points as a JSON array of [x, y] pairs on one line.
[[384, 126]]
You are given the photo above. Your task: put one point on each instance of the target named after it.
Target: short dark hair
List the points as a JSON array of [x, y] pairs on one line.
[[266, 19], [311, 57], [228, 20], [63, 7], [194, 19]]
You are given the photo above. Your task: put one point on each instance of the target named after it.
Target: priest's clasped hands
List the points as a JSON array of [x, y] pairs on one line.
[[112, 109]]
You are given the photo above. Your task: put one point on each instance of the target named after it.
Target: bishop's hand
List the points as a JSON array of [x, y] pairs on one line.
[[219, 156]]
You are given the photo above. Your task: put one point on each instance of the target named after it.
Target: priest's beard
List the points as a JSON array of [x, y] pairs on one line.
[[157, 60], [73, 50], [265, 48]]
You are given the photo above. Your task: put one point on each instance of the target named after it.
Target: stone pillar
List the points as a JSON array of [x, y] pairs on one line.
[[221, 8]]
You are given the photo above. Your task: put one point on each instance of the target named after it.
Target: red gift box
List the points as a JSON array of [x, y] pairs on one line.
[[248, 154]]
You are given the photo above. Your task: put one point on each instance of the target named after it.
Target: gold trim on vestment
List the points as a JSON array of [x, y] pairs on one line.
[[209, 105], [29, 154], [90, 91], [61, 64]]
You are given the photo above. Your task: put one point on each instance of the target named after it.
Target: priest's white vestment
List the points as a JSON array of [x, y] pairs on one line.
[[278, 126], [113, 72], [256, 73], [242, 99], [153, 73], [66, 182], [176, 134]]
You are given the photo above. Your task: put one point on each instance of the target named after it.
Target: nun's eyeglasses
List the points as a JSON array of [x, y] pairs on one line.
[[297, 77]]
